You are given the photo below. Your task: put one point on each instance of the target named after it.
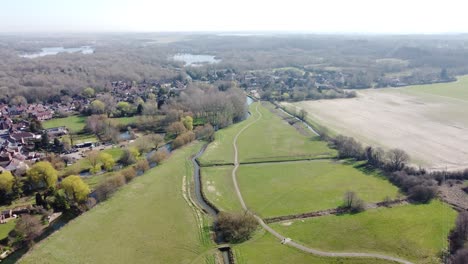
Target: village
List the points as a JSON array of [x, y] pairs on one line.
[[28, 139]]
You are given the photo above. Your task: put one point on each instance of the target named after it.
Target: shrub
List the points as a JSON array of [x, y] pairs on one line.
[[236, 227], [461, 257], [129, 156], [159, 156], [28, 228], [142, 165], [353, 203], [422, 193], [183, 139], [129, 174], [205, 132], [109, 186]]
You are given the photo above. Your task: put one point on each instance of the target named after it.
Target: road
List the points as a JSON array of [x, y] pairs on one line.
[[287, 241]]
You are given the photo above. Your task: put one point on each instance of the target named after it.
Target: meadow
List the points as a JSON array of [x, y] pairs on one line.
[[276, 189], [219, 188], [76, 123], [147, 220], [417, 119], [413, 232], [269, 139], [264, 248]]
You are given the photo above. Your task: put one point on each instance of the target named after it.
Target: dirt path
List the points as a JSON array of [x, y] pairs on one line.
[[288, 241]]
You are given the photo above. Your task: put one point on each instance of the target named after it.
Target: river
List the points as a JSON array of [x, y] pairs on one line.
[[195, 59], [56, 50]]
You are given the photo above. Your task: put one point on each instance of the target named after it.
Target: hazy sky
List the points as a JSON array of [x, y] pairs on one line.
[[351, 16]]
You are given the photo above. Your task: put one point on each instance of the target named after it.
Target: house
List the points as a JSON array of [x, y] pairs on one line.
[[6, 215], [57, 131], [25, 139]]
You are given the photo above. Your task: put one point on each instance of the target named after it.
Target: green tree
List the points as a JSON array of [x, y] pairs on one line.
[[124, 108], [45, 140], [43, 172], [97, 107], [75, 188], [93, 159], [88, 92], [6, 182], [188, 122], [107, 161], [129, 156]]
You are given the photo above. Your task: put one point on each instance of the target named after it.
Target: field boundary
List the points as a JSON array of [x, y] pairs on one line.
[[333, 211], [288, 241]]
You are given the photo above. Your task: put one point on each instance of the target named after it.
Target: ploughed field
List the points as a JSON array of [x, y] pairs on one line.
[[289, 186], [429, 122]]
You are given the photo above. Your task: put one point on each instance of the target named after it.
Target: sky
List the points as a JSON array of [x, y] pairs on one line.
[[324, 16]]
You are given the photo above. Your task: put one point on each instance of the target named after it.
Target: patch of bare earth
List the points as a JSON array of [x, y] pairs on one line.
[[453, 194], [432, 130]]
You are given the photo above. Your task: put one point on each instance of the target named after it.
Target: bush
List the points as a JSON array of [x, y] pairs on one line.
[[422, 193], [183, 139], [205, 132], [159, 156], [353, 203], [28, 228], [236, 227], [129, 174], [109, 186], [142, 165], [461, 257], [129, 156]]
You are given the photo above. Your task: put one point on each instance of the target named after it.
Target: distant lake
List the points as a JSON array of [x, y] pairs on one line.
[[57, 50], [195, 60]]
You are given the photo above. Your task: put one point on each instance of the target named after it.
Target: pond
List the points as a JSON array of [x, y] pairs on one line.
[[195, 59], [57, 50]]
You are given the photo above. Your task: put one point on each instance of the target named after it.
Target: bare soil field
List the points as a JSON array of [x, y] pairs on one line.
[[431, 127]]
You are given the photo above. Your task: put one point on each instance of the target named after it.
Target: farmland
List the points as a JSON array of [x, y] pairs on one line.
[[417, 119], [147, 220]]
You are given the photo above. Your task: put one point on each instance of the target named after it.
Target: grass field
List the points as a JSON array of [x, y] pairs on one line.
[[291, 188], [76, 123], [6, 228], [264, 248], [417, 119], [298, 187], [221, 150], [147, 221], [414, 232], [269, 139], [457, 90], [219, 188]]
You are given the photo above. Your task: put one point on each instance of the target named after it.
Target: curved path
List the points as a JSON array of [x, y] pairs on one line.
[[288, 241]]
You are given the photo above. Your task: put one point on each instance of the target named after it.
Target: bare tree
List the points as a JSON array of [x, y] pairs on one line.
[[397, 159], [353, 203], [28, 228]]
